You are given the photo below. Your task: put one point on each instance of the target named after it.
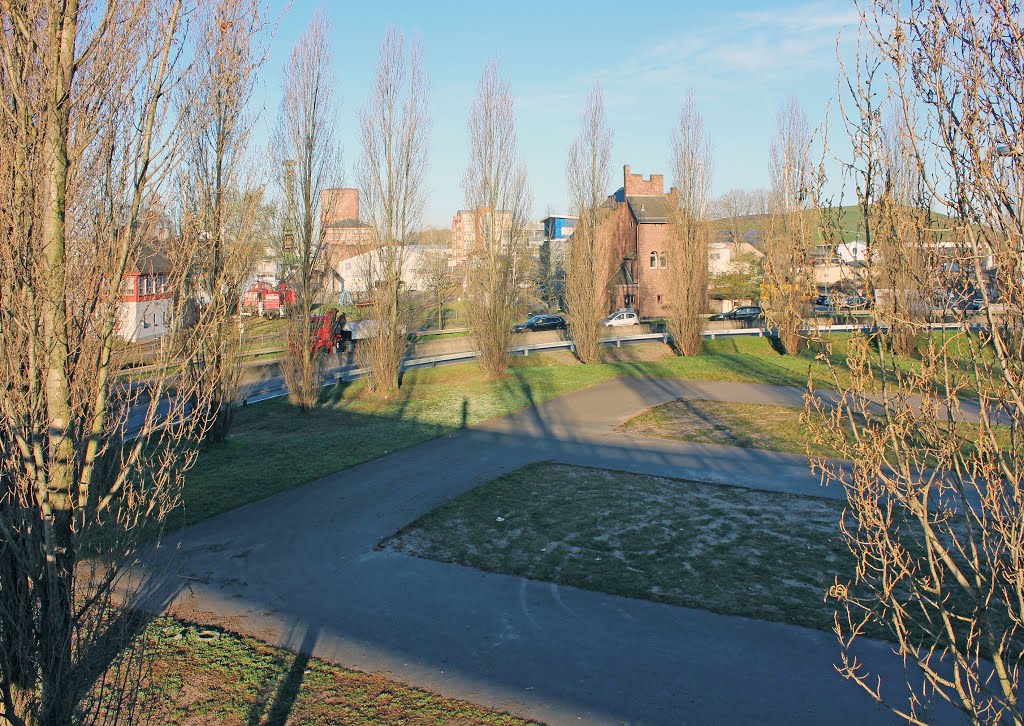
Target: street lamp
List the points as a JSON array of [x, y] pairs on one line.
[[1004, 150]]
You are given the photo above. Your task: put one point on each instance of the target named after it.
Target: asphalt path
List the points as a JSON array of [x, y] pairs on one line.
[[300, 569]]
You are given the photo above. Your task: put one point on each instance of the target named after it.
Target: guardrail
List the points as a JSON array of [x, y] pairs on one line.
[[350, 373]]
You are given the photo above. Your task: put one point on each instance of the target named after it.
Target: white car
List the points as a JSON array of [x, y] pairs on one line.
[[621, 318]]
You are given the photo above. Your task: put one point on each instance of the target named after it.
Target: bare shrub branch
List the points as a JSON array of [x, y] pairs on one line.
[[934, 517]]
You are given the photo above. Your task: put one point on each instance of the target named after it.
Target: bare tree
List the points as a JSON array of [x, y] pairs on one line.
[[433, 236], [306, 155], [395, 129], [221, 205], [591, 258], [738, 213], [687, 279], [788, 278], [546, 275], [935, 491], [496, 191], [90, 464], [440, 280]]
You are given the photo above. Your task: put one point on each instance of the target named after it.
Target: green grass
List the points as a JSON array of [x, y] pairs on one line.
[[849, 218], [273, 447], [782, 428], [726, 549], [239, 680], [752, 426]]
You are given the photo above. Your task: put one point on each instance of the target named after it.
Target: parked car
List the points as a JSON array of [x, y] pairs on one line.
[[744, 313], [540, 322], [621, 318], [854, 302], [966, 301]]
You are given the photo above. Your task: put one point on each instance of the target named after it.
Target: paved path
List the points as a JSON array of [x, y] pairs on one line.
[[300, 569]]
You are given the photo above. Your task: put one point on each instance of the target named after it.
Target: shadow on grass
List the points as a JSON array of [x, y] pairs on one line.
[[280, 707], [113, 663]]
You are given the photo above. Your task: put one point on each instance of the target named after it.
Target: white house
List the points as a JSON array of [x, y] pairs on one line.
[[855, 251], [725, 258], [144, 307]]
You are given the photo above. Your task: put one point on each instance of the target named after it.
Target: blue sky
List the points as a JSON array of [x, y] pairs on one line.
[[741, 59]]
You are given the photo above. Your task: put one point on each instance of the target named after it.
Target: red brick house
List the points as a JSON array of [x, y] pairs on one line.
[[641, 211]]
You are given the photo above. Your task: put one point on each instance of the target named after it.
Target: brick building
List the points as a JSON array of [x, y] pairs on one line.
[[468, 227], [345, 235], [640, 229]]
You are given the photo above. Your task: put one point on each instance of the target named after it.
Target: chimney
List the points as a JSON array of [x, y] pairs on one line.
[[339, 204]]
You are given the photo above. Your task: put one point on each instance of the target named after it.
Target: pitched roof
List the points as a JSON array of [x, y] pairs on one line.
[[650, 209], [151, 261]]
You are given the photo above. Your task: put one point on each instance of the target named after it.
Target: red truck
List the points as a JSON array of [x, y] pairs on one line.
[[328, 332], [268, 300]]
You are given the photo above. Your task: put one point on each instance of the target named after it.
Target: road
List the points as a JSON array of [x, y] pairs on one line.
[[300, 569]]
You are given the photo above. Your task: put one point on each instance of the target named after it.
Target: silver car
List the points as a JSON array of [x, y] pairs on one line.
[[621, 318]]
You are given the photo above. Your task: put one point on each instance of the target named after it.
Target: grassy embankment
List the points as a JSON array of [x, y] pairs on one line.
[[775, 428], [273, 447]]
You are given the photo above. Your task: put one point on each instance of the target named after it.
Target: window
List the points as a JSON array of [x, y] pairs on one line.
[[659, 299], [129, 286], [664, 261], [654, 260]]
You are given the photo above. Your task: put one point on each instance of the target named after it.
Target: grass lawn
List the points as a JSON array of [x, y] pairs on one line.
[[239, 680], [725, 549], [751, 426], [754, 426], [273, 447]]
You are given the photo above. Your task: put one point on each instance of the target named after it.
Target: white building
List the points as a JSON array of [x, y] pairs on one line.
[[350, 275], [144, 308], [727, 258]]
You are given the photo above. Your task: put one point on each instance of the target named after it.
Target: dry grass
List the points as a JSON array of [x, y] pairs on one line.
[[726, 549], [752, 426], [232, 679], [637, 353]]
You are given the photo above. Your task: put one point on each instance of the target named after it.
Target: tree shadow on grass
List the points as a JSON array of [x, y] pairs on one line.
[[113, 663], [280, 706]]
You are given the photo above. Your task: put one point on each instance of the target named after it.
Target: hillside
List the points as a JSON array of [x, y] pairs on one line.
[[849, 219]]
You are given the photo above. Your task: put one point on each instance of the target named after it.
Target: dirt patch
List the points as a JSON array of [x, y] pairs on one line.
[[234, 679]]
